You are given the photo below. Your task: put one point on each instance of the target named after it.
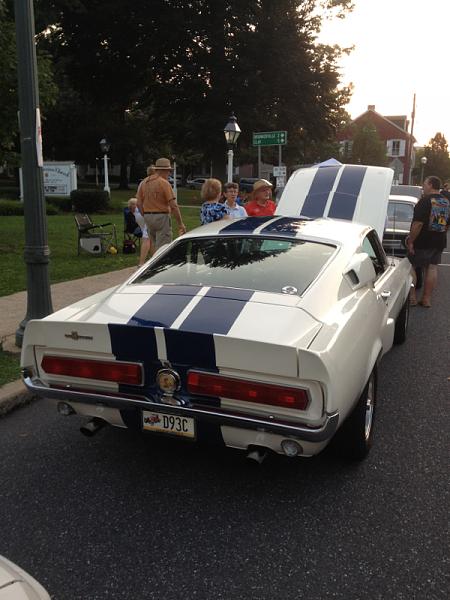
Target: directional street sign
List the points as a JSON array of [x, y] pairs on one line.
[[270, 138]]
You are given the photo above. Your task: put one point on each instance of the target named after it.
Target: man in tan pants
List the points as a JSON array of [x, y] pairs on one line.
[[155, 200]]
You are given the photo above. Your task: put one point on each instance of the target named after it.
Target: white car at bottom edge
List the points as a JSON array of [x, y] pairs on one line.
[[257, 333]]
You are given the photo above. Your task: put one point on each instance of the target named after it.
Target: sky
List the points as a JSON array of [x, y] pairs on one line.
[[402, 47]]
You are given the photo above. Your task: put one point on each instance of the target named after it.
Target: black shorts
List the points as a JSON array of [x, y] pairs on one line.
[[423, 257]]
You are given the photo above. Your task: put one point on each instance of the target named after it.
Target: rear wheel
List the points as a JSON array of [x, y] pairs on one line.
[[355, 437], [401, 324]]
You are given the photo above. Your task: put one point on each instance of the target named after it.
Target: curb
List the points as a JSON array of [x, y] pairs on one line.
[[13, 395]]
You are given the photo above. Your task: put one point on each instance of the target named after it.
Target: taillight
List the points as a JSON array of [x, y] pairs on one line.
[[207, 384], [118, 372]]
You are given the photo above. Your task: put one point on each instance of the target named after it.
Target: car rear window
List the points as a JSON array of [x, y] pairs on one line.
[[256, 263], [400, 211]]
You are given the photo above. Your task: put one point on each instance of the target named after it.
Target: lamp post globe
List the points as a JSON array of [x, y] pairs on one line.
[[423, 161], [104, 147], [232, 131]]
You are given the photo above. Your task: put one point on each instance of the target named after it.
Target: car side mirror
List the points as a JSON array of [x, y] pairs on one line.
[[360, 271]]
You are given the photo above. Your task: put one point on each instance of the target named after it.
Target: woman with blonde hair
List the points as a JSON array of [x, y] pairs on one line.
[[212, 209]]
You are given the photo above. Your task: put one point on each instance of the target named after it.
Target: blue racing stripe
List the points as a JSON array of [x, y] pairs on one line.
[[285, 226], [247, 225], [319, 191], [136, 344], [192, 350], [216, 314], [344, 199], [164, 306]]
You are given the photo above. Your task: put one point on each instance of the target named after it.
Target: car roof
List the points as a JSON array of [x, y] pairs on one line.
[[322, 230], [415, 191], [399, 198]]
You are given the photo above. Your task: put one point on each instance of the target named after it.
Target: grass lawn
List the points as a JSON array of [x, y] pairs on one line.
[[62, 240], [9, 367]]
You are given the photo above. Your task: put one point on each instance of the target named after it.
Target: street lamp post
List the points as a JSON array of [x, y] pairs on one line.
[[36, 253], [424, 161], [232, 131], [105, 146]]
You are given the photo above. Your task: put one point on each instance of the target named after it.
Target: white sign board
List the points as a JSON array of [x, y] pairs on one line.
[[60, 178], [279, 172], [281, 182]]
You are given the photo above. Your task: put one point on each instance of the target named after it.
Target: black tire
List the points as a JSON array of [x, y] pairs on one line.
[[354, 439], [401, 324]]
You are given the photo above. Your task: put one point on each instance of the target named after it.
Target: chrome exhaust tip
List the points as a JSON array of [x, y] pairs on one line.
[[93, 426], [257, 454]]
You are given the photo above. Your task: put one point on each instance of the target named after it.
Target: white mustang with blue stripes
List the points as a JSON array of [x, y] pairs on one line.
[[257, 333]]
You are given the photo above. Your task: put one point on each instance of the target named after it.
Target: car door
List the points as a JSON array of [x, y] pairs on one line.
[[386, 288]]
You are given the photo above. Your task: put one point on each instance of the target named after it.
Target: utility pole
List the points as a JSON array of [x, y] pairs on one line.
[[36, 254], [410, 143]]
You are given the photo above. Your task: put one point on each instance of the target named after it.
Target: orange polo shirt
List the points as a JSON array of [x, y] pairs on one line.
[[155, 193], [256, 210]]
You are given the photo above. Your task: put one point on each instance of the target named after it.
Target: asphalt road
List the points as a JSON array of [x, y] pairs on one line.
[[121, 517]]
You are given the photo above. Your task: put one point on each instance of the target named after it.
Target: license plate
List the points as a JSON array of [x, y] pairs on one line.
[[171, 424]]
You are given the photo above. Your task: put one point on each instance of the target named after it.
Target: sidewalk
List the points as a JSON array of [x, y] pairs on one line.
[[13, 310]]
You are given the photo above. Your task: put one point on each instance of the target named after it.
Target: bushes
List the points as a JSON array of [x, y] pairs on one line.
[[12, 208], [89, 201], [62, 203]]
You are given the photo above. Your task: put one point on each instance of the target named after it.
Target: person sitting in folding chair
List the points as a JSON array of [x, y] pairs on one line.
[[135, 219]]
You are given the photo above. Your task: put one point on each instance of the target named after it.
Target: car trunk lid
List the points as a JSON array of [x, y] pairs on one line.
[[351, 192]]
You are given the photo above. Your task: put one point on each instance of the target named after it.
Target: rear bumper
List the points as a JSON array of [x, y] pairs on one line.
[[210, 414]]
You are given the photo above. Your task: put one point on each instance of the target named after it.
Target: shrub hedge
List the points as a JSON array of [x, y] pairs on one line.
[[12, 208], [62, 203], [89, 201]]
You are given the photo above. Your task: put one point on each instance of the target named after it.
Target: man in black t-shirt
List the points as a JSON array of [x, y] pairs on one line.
[[428, 236]]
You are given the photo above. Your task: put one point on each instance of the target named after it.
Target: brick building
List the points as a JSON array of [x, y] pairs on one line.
[[393, 130]]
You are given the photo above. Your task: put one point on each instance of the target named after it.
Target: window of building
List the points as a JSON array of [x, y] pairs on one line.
[[396, 147], [346, 148]]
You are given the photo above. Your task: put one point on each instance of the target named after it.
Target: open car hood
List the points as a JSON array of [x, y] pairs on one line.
[[351, 192]]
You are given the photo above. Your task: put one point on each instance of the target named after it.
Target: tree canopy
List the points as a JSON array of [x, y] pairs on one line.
[[368, 148], [163, 77], [438, 160]]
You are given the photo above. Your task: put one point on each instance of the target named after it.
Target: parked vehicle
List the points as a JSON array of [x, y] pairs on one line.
[[407, 190], [399, 216], [179, 180], [195, 184], [246, 183], [263, 334], [16, 584]]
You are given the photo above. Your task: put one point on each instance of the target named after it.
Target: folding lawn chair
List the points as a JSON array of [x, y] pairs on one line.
[[94, 238]]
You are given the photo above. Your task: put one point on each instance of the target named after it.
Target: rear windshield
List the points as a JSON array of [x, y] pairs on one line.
[[264, 264], [400, 211]]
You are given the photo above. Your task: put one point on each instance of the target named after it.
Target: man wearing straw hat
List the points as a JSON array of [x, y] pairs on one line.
[[260, 204], [156, 202]]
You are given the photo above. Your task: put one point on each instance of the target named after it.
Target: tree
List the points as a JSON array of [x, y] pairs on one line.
[[8, 85], [438, 160], [168, 77], [368, 148]]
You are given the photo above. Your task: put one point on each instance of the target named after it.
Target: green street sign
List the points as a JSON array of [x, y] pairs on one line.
[[270, 138]]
